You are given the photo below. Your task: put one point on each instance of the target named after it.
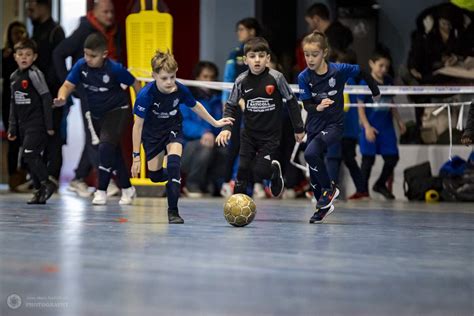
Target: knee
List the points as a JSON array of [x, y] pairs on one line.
[[158, 175], [262, 168]]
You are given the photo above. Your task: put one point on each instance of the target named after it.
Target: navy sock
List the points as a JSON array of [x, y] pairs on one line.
[[174, 181]]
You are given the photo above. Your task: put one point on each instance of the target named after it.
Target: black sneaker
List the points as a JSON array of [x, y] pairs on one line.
[[174, 218], [327, 197], [320, 214], [277, 185], [382, 189], [47, 189], [36, 198]]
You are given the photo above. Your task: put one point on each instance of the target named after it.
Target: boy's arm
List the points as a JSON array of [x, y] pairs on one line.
[[294, 108], [64, 92], [371, 83], [230, 109], [136, 142], [12, 120], [39, 82]]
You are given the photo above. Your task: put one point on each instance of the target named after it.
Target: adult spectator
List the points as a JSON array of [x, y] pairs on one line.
[[339, 36], [202, 159], [48, 34]]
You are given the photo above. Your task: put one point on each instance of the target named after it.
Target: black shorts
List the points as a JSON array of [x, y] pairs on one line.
[[33, 141], [155, 143], [110, 127], [256, 145]]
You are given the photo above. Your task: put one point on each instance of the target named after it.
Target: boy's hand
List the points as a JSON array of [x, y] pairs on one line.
[[402, 127], [465, 139], [136, 165], [324, 104], [377, 98], [50, 132], [223, 138], [224, 121], [57, 102], [11, 137], [207, 140], [371, 134], [299, 137]]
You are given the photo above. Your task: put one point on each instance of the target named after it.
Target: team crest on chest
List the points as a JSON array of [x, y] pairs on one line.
[[24, 84], [269, 89], [175, 103], [106, 78], [332, 82]]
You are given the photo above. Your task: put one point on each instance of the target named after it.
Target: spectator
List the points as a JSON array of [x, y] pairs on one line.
[[16, 31], [48, 34], [100, 19], [200, 150], [468, 135], [339, 36]]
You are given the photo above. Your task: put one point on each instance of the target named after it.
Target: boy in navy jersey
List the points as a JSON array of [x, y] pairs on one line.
[[263, 91], [31, 117], [321, 90], [378, 134], [158, 125], [101, 79]]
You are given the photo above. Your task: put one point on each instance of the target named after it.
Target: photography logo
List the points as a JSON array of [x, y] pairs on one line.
[[14, 301]]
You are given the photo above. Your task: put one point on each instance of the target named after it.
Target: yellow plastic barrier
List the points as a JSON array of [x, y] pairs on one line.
[[146, 31]]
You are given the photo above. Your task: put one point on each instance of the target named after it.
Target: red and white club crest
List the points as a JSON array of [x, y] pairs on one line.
[[24, 84], [269, 89]]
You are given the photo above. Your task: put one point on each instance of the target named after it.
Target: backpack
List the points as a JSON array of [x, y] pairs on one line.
[[417, 180]]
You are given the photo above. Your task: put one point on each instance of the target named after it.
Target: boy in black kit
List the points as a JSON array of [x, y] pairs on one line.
[[31, 117], [263, 92]]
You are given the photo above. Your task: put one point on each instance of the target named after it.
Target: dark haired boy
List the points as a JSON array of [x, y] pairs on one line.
[[31, 117], [101, 79], [263, 91]]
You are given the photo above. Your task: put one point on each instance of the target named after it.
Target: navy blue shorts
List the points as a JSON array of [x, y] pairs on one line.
[[157, 142]]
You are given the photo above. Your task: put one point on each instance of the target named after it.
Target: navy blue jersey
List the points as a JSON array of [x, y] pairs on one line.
[[102, 85], [159, 110], [315, 88]]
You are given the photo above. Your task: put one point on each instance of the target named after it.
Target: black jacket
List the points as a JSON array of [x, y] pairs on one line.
[[73, 46]]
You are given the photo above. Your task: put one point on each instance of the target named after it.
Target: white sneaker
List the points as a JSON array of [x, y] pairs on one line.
[[128, 195], [226, 189], [80, 187], [259, 191], [112, 189], [100, 198]]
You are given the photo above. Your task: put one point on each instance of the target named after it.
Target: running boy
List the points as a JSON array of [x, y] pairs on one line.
[[321, 90], [378, 134], [263, 91], [31, 117], [158, 125], [101, 79]]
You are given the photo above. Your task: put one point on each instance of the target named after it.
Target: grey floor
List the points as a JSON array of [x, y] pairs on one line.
[[369, 258]]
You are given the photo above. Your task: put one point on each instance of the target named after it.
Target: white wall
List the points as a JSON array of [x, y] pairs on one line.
[[71, 11]]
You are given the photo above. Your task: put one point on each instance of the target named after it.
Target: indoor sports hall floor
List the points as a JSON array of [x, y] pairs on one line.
[[368, 258]]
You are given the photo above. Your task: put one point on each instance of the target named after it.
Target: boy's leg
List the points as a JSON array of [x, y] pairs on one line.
[[348, 155], [34, 143], [266, 166], [173, 188], [366, 168], [246, 155], [390, 161]]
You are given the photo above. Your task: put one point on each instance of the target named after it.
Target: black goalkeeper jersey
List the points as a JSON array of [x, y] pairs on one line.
[[264, 96], [31, 102]]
